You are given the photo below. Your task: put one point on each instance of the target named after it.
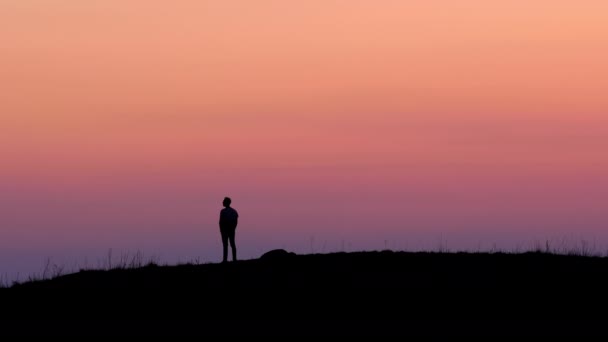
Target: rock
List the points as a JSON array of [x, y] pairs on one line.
[[277, 255]]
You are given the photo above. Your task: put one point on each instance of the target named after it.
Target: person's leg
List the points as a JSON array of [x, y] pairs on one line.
[[225, 244], [233, 244]]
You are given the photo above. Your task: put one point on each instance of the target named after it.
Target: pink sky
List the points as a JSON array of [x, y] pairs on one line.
[[124, 123]]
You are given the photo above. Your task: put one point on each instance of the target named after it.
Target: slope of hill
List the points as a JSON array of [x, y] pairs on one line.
[[341, 294]]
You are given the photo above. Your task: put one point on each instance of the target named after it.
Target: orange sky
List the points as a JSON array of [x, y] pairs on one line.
[[141, 66], [476, 96]]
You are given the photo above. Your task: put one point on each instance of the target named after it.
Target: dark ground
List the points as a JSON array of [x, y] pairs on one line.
[[345, 294]]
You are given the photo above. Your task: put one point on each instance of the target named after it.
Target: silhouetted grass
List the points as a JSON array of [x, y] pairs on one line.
[[381, 293], [131, 261], [4, 281]]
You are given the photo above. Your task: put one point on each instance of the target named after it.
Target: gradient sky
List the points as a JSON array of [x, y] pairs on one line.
[[333, 125]]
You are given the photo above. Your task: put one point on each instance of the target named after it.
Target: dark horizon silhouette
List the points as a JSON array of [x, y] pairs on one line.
[[340, 294]]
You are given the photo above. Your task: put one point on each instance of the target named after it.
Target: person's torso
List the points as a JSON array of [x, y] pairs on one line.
[[228, 217]]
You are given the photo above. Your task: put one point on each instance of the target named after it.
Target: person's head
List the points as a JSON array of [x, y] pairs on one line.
[[227, 202]]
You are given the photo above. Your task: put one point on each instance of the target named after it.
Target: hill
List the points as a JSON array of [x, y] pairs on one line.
[[342, 294]]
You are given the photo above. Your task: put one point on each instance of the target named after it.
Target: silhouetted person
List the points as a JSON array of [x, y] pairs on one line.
[[228, 221]]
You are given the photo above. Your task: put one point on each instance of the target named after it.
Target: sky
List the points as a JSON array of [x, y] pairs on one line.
[[334, 125]]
